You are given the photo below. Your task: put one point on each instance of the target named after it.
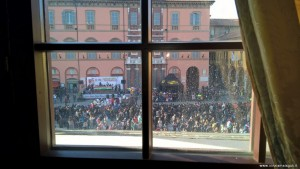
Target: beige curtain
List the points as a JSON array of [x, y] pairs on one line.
[[297, 2], [271, 39]]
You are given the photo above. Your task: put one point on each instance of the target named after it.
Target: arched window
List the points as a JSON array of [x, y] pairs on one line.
[[92, 72], [71, 71], [117, 71], [115, 40], [55, 71], [90, 39], [69, 39]]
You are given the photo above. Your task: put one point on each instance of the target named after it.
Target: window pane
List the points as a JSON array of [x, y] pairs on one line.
[[105, 19], [201, 104], [92, 55], [97, 99], [189, 20]]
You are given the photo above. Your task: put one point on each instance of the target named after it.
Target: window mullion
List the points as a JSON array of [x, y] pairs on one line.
[[146, 79]]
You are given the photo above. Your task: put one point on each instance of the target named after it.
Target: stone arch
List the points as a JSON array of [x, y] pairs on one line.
[[91, 39], [192, 80], [115, 40], [69, 39]]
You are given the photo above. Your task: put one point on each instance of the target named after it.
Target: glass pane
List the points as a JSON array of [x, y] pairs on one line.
[[201, 103], [97, 100], [93, 21], [196, 20]]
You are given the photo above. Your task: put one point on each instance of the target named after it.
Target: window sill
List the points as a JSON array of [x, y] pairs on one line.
[[156, 156], [127, 158], [95, 154]]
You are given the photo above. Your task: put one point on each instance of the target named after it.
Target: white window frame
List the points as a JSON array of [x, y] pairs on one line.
[[146, 47]]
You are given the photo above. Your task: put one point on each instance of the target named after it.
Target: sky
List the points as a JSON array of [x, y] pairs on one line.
[[223, 9]]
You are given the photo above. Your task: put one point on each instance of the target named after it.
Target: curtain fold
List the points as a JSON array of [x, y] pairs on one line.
[[271, 39]]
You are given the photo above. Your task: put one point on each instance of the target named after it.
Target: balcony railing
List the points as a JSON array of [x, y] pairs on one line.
[[90, 27], [69, 27]]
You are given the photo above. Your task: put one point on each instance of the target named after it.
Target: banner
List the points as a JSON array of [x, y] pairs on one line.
[[104, 82], [94, 96]]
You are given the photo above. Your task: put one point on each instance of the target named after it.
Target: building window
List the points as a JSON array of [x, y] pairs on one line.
[[92, 55], [116, 55], [115, 20], [175, 20], [51, 19], [174, 55], [54, 71], [70, 56], [195, 55], [90, 19], [116, 71], [195, 20], [69, 19], [53, 55], [156, 20], [71, 71], [92, 72], [133, 18]]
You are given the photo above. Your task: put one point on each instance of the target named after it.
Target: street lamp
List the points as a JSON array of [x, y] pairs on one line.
[[124, 70], [167, 57], [78, 57]]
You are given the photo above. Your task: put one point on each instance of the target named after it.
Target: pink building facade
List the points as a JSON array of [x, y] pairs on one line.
[[120, 21]]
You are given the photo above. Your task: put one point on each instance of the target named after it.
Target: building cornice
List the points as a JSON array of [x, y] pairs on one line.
[[131, 3]]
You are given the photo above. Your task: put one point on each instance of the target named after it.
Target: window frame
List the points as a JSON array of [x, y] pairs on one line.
[[115, 20], [51, 18], [43, 85], [133, 18], [156, 19], [69, 19], [90, 19], [91, 55], [70, 56], [175, 20]]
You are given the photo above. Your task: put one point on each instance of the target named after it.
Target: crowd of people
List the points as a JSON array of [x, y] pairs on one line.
[[126, 114]]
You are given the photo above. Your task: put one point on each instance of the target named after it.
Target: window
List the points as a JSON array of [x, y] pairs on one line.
[[55, 71], [186, 82], [51, 19], [116, 71], [91, 55], [116, 55], [195, 20], [195, 55], [156, 20], [71, 71], [175, 20], [70, 56], [53, 55], [90, 19], [115, 19], [92, 72], [174, 55], [133, 18], [69, 19]]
